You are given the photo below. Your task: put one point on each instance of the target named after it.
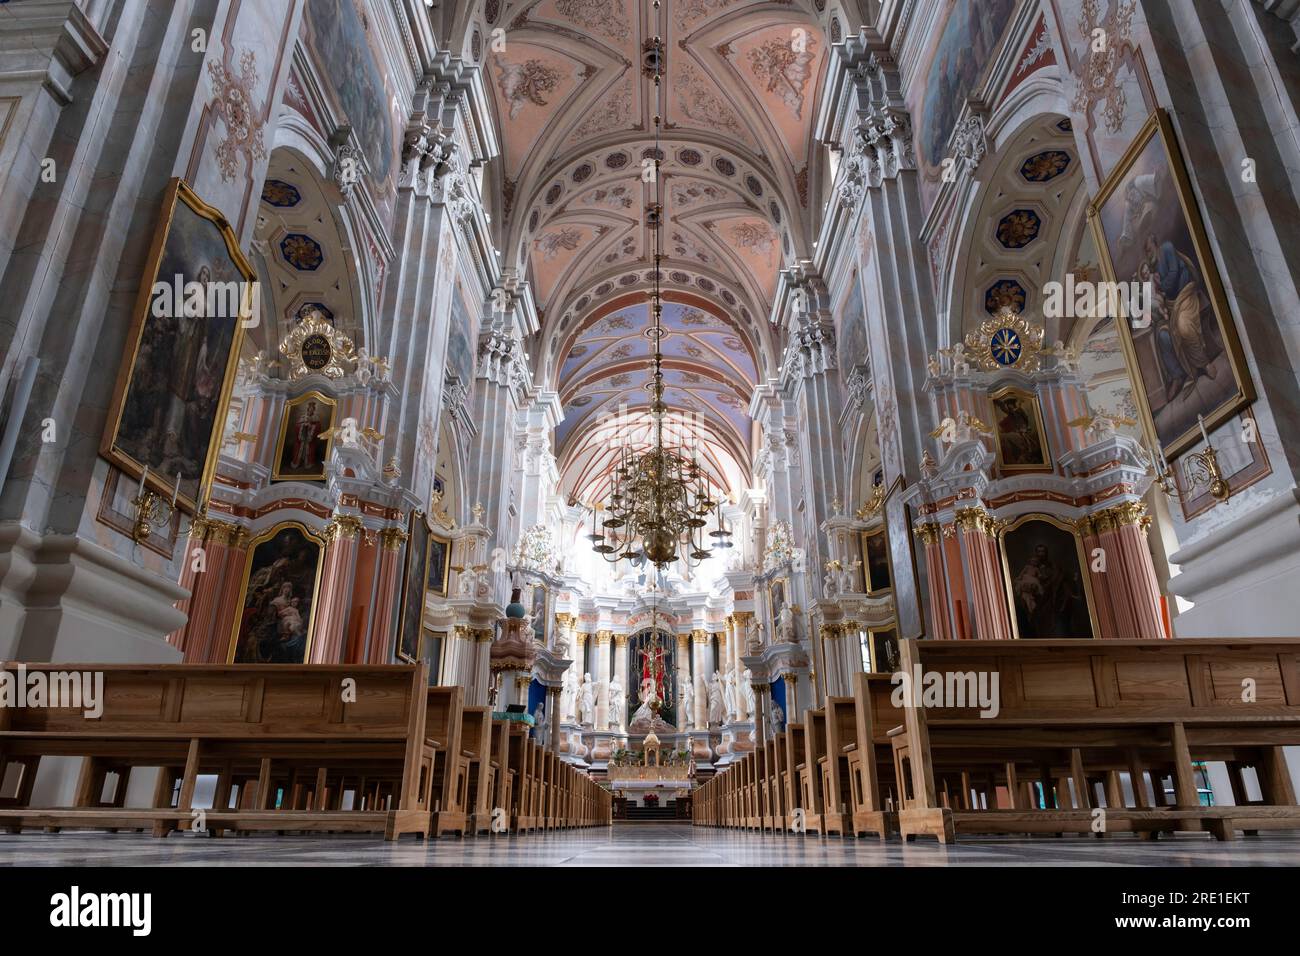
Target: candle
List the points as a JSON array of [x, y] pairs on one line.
[[144, 478], [176, 490], [1200, 420]]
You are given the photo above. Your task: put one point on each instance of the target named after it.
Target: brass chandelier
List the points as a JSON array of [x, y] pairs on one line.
[[661, 500]]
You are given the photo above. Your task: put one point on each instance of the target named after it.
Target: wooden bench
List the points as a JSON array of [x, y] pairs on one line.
[[870, 756], [447, 784], [283, 742], [1074, 716], [810, 783], [477, 769]]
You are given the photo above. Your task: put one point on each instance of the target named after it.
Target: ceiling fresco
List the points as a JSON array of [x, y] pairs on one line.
[[739, 89]]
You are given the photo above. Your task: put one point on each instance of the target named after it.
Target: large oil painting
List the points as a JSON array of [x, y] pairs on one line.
[[971, 34], [279, 597], [1185, 355], [410, 609], [1018, 430], [338, 36], [179, 366], [438, 565], [305, 438], [1046, 579], [852, 332]]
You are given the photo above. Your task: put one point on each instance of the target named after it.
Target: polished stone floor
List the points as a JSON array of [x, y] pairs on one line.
[[638, 845]]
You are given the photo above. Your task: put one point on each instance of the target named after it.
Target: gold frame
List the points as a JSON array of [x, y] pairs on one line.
[[177, 189], [446, 565], [1047, 466], [311, 396], [267, 535], [910, 534], [883, 533], [771, 607], [1084, 570], [1159, 124]]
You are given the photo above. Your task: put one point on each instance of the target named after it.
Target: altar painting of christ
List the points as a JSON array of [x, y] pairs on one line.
[[306, 435]]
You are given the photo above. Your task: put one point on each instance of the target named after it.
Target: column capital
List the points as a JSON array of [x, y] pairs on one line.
[[342, 527]]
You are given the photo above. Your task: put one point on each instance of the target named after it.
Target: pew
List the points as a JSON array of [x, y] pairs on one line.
[[870, 756], [1073, 716], [506, 771], [478, 773], [810, 784], [284, 743], [836, 791], [445, 707], [794, 734]]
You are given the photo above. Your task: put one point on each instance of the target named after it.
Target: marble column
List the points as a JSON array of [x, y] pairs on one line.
[[703, 674], [335, 591], [620, 669], [601, 678], [387, 589], [553, 716], [213, 573]]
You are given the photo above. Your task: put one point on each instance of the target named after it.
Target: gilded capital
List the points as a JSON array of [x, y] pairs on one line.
[[928, 533], [620, 640], [974, 520], [392, 539], [342, 526], [604, 637], [700, 636]]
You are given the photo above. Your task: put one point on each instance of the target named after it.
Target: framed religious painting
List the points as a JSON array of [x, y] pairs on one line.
[[1184, 356], [905, 576], [777, 596], [410, 607], [1045, 573], [537, 610], [438, 565], [885, 655], [167, 411], [1018, 431], [306, 436], [277, 599], [875, 562]]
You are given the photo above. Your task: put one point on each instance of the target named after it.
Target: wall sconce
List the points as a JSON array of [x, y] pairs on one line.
[[153, 510], [1200, 469]]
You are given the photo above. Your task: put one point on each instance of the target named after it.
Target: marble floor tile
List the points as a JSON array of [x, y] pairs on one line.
[[637, 845]]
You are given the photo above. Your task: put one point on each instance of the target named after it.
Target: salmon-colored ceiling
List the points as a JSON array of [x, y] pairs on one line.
[[575, 107]]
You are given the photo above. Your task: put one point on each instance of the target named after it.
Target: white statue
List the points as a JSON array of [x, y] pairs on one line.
[[587, 701], [539, 718], [715, 700], [617, 703], [777, 718], [785, 626], [645, 713], [729, 694], [746, 690], [364, 370], [831, 581], [686, 695], [959, 364], [568, 694]]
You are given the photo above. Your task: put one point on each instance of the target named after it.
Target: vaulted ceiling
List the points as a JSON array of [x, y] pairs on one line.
[[575, 106]]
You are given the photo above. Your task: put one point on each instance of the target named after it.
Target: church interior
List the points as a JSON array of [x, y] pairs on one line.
[[711, 432]]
